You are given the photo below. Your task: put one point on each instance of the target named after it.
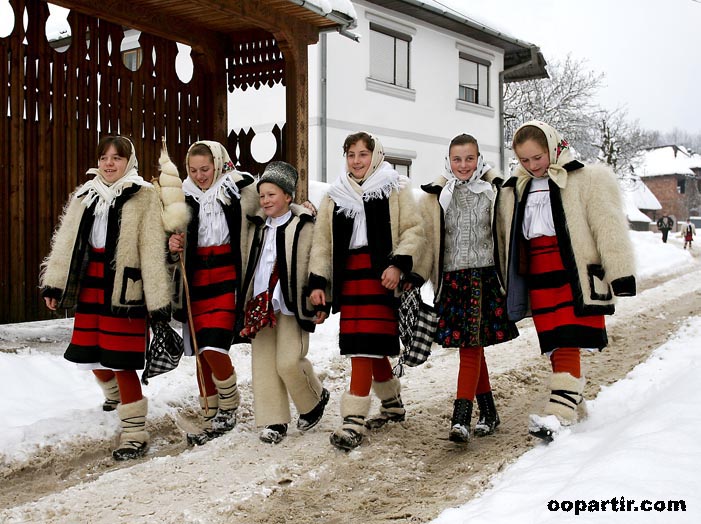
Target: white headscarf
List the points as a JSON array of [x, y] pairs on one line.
[[99, 190], [222, 181], [349, 196], [558, 149], [474, 183]]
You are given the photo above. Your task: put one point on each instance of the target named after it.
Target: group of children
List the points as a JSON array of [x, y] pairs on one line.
[[550, 242]]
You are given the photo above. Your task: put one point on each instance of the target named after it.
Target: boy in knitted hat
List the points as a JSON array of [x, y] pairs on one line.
[[278, 315]]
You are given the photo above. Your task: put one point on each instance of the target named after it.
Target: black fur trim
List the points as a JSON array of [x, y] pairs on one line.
[[52, 292], [403, 262], [160, 315], [317, 282], [624, 286]]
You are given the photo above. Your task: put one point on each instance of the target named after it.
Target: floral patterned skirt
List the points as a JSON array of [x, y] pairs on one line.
[[472, 310]]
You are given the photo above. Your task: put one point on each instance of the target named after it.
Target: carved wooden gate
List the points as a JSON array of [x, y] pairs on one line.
[[52, 125]]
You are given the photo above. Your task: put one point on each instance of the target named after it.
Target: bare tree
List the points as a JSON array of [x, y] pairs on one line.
[[619, 141], [565, 101], [680, 137]]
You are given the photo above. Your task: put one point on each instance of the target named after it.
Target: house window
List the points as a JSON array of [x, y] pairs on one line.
[[474, 80], [401, 165], [681, 186], [389, 55], [132, 59]]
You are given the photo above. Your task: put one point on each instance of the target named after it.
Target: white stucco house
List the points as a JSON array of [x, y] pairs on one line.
[[417, 75]]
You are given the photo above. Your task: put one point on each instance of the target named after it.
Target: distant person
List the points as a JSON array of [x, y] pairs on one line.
[[457, 212], [664, 224], [108, 261], [688, 232], [564, 252], [275, 290], [367, 238]]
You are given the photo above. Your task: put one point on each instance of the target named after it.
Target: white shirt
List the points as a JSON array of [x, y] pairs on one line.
[[538, 215], [213, 229], [266, 262]]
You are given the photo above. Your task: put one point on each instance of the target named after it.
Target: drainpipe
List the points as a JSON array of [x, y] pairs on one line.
[[533, 60], [323, 95]]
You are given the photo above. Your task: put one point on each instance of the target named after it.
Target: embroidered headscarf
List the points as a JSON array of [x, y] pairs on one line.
[[222, 183], [474, 183], [104, 193], [560, 155]]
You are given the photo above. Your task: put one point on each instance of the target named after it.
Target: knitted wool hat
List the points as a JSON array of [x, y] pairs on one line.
[[282, 175]]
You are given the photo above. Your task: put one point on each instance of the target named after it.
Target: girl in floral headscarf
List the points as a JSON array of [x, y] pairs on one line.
[[564, 253], [219, 198], [107, 261], [457, 216]]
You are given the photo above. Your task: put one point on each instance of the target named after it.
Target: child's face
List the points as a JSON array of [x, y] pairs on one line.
[[463, 160], [112, 165], [273, 200], [201, 170], [533, 158], [358, 158]]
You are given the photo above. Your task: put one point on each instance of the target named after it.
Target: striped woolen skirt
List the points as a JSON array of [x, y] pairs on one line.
[[552, 302], [109, 337], [213, 297], [369, 323]]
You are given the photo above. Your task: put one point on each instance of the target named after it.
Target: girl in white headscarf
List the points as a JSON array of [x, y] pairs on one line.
[[469, 297], [219, 198], [108, 261], [366, 240], [564, 253]]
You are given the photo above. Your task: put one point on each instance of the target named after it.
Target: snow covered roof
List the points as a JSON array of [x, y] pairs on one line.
[[667, 160], [632, 212], [642, 197], [695, 161]]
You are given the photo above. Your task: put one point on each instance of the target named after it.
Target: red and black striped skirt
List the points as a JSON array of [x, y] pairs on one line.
[[213, 296], [369, 324], [114, 338], [552, 302]]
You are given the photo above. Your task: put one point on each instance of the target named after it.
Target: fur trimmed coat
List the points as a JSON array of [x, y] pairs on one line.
[[293, 242], [397, 239], [430, 263], [135, 249], [235, 214], [592, 234]]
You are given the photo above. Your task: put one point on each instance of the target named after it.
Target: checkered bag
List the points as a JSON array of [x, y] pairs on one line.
[[164, 352], [418, 323]]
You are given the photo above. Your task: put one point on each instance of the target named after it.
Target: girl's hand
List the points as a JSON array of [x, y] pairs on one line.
[[320, 317], [407, 286], [51, 303], [310, 207], [390, 277], [318, 297], [176, 242]]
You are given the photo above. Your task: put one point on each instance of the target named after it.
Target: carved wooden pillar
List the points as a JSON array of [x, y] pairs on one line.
[[297, 110], [214, 99]]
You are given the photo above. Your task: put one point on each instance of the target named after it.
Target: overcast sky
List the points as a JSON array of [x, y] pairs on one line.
[[649, 50]]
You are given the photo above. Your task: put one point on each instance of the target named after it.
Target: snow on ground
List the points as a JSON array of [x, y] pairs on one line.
[[639, 443], [46, 401]]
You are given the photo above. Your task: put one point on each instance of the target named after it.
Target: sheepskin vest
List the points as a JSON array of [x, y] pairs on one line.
[[293, 244], [592, 234], [430, 264], [136, 274], [395, 237]]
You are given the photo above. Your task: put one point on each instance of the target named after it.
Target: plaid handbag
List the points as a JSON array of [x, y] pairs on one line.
[[418, 323], [164, 352]]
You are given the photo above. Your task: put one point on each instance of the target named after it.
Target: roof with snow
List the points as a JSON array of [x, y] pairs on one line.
[[631, 209], [522, 60], [665, 160]]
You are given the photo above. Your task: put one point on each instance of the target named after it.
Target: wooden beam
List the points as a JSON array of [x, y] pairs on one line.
[[130, 14]]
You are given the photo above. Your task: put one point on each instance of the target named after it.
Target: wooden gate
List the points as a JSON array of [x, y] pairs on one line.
[[57, 105]]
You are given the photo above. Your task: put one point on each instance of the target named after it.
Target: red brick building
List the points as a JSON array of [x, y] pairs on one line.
[[674, 177]]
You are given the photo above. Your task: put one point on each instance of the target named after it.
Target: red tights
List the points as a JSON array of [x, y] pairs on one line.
[[566, 360], [473, 375], [128, 382], [213, 363], [364, 370]]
